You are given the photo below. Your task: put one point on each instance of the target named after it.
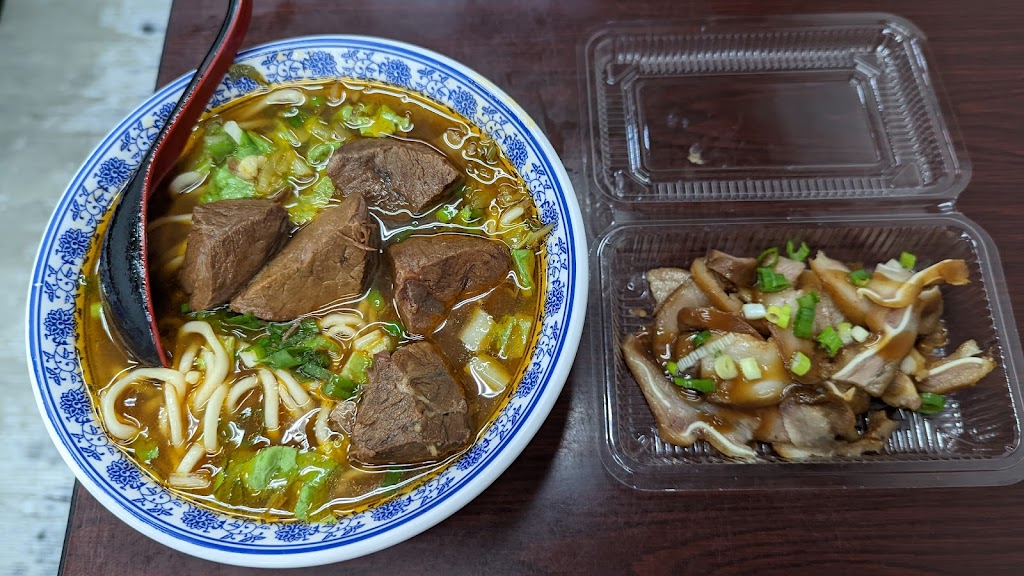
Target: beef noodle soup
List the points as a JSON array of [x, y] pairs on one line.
[[347, 279]]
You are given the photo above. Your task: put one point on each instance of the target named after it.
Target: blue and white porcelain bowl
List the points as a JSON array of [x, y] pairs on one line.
[[52, 323]]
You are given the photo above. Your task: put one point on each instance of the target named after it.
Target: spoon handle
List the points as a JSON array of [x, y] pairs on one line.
[[170, 142]]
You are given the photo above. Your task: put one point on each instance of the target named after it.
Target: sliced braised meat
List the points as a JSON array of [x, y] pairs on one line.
[[391, 174], [790, 269], [228, 243], [835, 279], [901, 393], [872, 365], [931, 311], [900, 294], [412, 410], [880, 427], [680, 421], [740, 392], [432, 273], [713, 288], [663, 282], [739, 271], [708, 318], [961, 369], [813, 418], [826, 313], [666, 319], [324, 261]]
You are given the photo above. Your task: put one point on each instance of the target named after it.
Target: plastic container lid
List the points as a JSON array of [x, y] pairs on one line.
[[797, 108]]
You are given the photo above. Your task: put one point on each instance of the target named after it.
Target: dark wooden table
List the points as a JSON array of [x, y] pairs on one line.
[[556, 509]]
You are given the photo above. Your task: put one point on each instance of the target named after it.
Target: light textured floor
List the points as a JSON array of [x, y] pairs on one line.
[[69, 70]]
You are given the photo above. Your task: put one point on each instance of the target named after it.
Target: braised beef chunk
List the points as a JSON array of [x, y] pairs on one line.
[[432, 273], [324, 261], [228, 243], [391, 174], [412, 409]]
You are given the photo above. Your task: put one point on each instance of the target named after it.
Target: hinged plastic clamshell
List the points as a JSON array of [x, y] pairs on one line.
[[800, 112]]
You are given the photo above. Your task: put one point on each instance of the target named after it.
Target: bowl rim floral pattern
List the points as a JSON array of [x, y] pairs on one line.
[[122, 488]]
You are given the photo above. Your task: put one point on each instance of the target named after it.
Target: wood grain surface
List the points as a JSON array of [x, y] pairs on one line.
[[556, 509]]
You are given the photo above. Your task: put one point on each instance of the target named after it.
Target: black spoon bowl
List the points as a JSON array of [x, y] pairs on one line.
[[123, 265]]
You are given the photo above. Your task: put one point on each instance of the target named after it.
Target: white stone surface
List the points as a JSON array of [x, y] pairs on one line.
[[69, 71]]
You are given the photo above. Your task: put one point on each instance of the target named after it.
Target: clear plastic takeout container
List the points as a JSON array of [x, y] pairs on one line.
[[796, 113]]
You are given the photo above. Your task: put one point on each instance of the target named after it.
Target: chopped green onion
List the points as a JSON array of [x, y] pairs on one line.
[[296, 120], [830, 341], [698, 384], [375, 298], [725, 367], [246, 320], [390, 478], [320, 342], [96, 309], [185, 308], [315, 371], [754, 311], [146, 449], [908, 260], [803, 325], [932, 403], [469, 214], [446, 213], [768, 258], [859, 277], [672, 368], [284, 358], [394, 328], [769, 280], [844, 329], [800, 364], [316, 101], [859, 333], [798, 255], [700, 338], [751, 370], [779, 315]]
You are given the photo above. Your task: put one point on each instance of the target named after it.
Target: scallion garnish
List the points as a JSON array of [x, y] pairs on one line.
[[779, 315], [803, 325], [908, 260], [769, 257], [672, 368], [932, 403], [800, 364], [769, 280], [446, 213], [830, 341], [798, 255], [754, 311], [725, 367], [844, 329], [698, 384], [750, 368], [700, 338], [859, 277]]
